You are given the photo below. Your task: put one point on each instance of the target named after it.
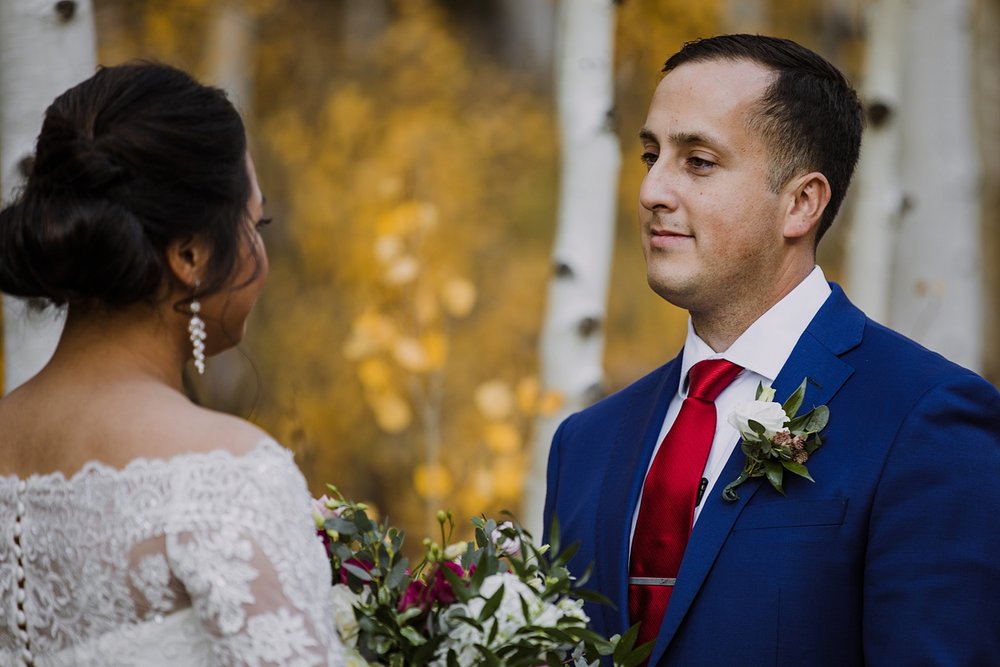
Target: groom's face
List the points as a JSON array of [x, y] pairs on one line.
[[710, 225]]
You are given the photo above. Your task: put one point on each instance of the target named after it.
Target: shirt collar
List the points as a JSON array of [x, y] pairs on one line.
[[767, 343]]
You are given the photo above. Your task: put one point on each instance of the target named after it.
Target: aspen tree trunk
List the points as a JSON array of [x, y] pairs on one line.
[[937, 286], [527, 30], [572, 342], [878, 188], [747, 16], [45, 48], [987, 102]]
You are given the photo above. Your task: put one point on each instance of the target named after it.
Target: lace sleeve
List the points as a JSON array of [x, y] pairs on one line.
[[243, 544]]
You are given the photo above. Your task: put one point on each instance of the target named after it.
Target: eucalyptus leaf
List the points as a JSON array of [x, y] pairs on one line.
[[638, 656], [492, 604], [424, 653], [397, 575], [794, 402], [565, 556], [796, 425], [489, 658], [775, 472], [626, 643], [342, 526], [358, 572], [818, 419], [412, 635], [798, 469]]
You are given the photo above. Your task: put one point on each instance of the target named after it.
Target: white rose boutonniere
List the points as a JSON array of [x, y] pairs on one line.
[[766, 413], [774, 439]]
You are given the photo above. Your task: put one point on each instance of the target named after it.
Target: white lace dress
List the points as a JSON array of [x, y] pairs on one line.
[[202, 559]]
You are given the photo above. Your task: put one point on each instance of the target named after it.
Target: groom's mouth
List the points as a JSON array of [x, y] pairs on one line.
[[666, 238]]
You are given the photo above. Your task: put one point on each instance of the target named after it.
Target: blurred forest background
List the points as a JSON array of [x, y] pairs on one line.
[[410, 155]]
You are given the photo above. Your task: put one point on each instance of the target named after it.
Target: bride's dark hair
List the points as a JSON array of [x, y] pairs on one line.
[[129, 160]]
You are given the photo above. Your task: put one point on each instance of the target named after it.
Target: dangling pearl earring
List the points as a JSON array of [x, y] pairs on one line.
[[196, 329]]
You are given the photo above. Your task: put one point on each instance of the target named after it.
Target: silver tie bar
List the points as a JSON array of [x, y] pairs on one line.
[[652, 581]]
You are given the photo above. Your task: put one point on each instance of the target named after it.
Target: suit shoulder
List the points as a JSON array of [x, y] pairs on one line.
[[899, 362]]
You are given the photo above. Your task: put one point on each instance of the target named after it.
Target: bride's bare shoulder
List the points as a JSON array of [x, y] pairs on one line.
[[184, 427], [114, 426]]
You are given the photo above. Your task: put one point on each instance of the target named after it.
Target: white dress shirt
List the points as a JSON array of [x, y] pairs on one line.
[[761, 350]]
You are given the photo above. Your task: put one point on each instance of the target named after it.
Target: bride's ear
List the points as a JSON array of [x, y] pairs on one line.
[[187, 258]]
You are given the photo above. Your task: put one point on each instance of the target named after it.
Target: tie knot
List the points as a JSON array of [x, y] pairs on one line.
[[708, 378]]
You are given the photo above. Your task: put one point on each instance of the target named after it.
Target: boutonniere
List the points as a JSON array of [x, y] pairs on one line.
[[775, 439]]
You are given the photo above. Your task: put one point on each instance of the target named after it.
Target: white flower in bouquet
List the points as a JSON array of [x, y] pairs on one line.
[[508, 546], [343, 601], [509, 618]]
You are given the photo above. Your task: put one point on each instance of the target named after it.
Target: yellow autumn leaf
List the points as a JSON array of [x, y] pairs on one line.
[[432, 480], [436, 348], [494, 399], [508, 477], [407, 218], [527, 392], [389, 187], [551, 403], [392, 411], [411, 355], [388, 247], [358, 346], [402, 270], [376, 326], [427, 216], [458, 297], [370, 333], [425, 306], [375, 374], [502, 438]]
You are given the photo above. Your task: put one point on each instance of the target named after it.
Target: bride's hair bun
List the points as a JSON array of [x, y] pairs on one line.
[[126, 162]]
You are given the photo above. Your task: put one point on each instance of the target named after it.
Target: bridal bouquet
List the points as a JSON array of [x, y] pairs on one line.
[[497, 600]]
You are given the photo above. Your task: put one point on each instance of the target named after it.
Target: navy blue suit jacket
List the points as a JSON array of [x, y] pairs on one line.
[[892, 556]]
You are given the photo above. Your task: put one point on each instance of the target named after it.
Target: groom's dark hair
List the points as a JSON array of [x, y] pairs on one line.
[[810, 116]]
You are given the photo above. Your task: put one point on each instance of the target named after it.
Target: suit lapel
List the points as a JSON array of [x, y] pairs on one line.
[[633, 448], [837, 327]]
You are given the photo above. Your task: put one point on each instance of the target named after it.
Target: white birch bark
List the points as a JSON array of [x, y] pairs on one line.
[[747, 16], [987, 102], [43, 51], [527, 30], [230, 53], [937, 285], [878, 189], [572, 341]]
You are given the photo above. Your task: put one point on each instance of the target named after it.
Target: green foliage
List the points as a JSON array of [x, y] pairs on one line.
[[496, 600]]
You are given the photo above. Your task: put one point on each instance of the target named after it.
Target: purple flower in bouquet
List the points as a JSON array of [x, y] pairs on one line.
[[423, 595]]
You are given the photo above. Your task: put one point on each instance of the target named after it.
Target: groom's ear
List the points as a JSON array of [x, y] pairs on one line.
[[187, 258], [807, 197]]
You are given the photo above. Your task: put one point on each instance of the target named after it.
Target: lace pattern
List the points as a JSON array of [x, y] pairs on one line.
[[87, 560]]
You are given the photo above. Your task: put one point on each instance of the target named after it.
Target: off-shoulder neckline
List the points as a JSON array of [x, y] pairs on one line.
[[94, 467]]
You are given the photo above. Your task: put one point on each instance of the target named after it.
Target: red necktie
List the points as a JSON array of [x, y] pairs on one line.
[[666, 512]]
